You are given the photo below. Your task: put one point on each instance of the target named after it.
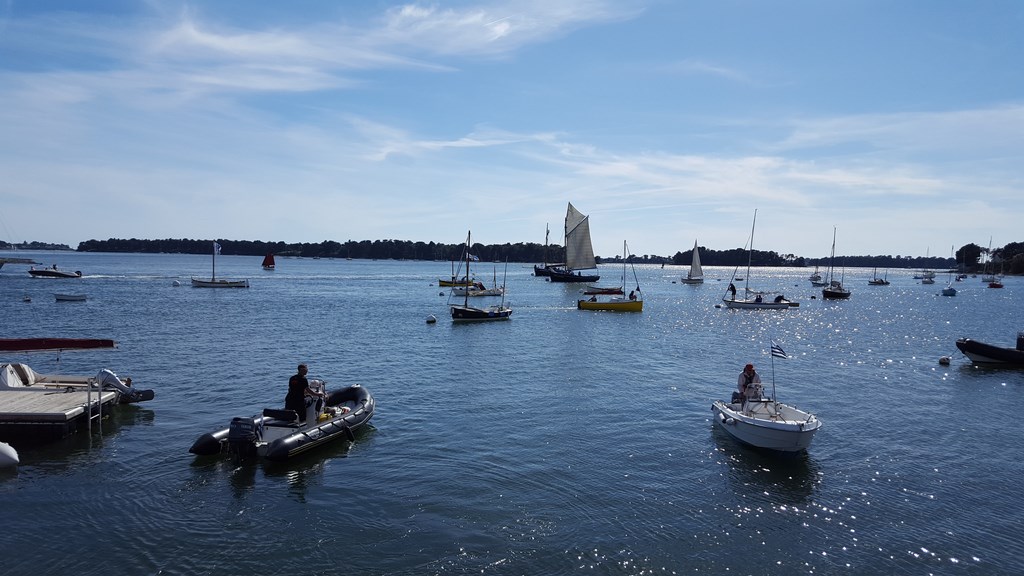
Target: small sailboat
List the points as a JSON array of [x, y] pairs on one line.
[[696, 273], [986, 276], [926, 276], [466, 313], [876, 281], [214, 282], [949, 290], [616, 303], [579, 250], [815, 278], [456, 282], [478, 289], [754, 300], [545, 268], [268, 261], [834, 290]]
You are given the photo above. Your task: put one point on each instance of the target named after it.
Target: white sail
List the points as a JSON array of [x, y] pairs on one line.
[[695, 269], [579, 250]]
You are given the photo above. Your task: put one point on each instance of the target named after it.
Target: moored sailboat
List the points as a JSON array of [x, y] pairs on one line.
[[835, 289], [752, 299], [545, 268], [214, 282], [876, 281], [466, 313], [949, 290], [616, 303], [815, 278]]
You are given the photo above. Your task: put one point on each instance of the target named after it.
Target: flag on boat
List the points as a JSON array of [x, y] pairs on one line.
[[216, 248], [474, 258], [777, 351]]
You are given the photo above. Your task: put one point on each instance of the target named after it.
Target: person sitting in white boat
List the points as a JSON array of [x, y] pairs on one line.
[[748, 384], [299, 391]]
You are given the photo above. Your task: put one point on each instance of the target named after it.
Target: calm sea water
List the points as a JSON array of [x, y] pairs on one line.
[[560, 442]]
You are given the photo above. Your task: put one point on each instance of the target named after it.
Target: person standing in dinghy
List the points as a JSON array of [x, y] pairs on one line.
[[298, 391]]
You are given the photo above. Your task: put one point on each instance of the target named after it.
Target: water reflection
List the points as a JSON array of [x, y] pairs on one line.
[[782, 479]]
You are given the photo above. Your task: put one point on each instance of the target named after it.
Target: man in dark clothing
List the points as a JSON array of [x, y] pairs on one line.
[[298, 390]]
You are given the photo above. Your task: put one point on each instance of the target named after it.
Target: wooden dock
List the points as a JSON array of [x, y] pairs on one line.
[[35, 415]]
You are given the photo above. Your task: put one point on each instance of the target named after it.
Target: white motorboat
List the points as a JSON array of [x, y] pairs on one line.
[[767, 424], [764, 422]]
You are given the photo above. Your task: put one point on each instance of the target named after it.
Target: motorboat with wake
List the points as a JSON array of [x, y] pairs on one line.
[[982, 353], [53, 272], [764, 422], [277, 435]]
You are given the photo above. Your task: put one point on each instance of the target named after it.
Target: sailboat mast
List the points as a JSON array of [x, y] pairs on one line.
[[547, 232], [213, 272], [832, 258], [746, 279], [468, 235]]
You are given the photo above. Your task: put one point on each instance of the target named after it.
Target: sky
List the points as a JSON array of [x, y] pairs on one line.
[[899, 124]]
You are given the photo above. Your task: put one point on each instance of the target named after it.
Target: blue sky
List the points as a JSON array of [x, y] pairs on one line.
[[900, 123]]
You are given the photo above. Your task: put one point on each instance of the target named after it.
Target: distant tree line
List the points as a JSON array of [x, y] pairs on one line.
[[969, 258], [33, 246], [365, 249]]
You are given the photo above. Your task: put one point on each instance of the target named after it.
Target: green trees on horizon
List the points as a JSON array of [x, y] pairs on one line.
[[969, 258]]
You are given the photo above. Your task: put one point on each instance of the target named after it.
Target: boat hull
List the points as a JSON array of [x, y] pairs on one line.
[[835, 294], [36, 344], [201, 283], [473, 314], [544, 270], [595, 290], [70, 297], [50, 273], [767, 425], [619, 305], [693, 280], [981, 353], [755, 305], [568, 276], [457, 283]]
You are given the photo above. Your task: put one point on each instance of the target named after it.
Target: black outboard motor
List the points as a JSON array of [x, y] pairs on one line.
[[242, 437], [1020, 341]]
